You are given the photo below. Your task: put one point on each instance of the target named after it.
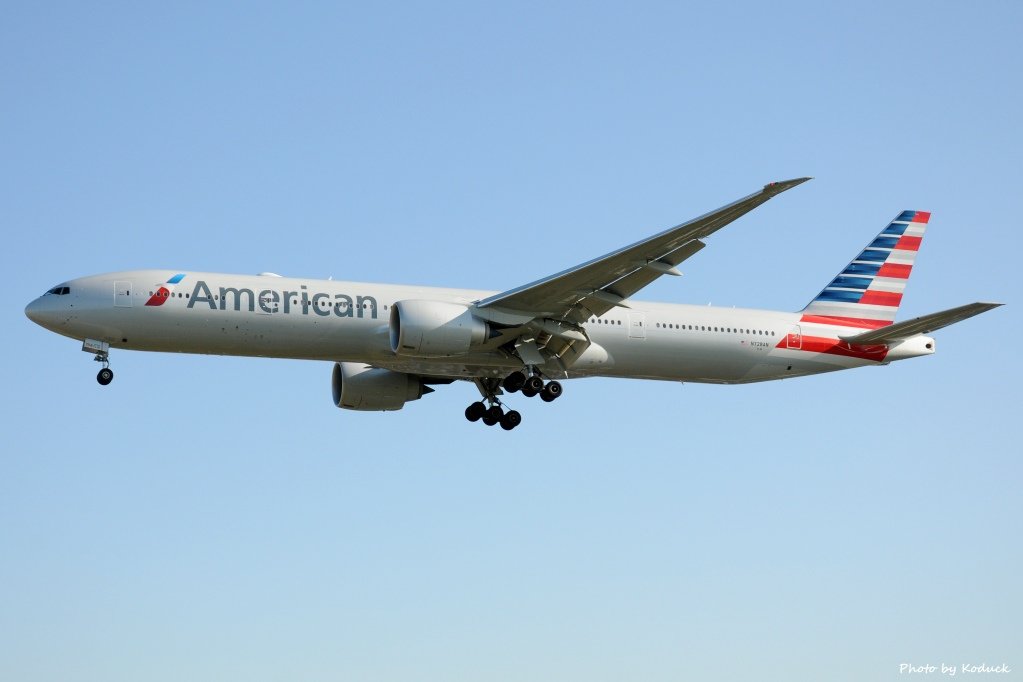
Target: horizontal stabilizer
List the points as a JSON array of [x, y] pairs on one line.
[[919, 325]]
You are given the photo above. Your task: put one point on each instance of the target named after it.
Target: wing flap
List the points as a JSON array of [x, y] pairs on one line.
[[924, 324]]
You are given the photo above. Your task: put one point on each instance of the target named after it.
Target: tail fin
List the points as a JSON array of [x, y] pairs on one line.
[[867, 293]]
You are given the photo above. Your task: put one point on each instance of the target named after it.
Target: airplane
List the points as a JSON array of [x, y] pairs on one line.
[[390, 344]]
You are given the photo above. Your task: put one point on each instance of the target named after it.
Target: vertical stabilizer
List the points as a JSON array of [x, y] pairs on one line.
[[867, 293]]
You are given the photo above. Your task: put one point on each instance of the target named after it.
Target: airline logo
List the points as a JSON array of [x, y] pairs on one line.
[[867, 293], [164, 291]]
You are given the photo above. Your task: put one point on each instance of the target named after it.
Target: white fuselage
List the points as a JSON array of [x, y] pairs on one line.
[[270, 316]]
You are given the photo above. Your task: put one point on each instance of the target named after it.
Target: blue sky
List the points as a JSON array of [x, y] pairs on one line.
[[217, 518]]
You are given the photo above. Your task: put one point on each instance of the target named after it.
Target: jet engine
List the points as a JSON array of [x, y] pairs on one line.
[[434, 329], [371, 389]]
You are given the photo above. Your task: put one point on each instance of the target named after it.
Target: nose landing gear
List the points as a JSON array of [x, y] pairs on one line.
[[101, 349]]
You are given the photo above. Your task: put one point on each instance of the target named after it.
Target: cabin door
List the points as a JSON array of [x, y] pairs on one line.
[[636, 328], [122, 294]]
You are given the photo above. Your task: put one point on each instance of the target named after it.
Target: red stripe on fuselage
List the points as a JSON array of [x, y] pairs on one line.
[[820, 344]]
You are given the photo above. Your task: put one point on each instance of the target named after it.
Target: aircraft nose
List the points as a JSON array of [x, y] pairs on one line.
[[43, 312], [34, 311]]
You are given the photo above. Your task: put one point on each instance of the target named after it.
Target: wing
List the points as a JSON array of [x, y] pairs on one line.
[[594, 287], [541, 322], [924, 324]]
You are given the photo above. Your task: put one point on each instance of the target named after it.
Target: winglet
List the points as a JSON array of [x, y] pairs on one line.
[[775, 188]]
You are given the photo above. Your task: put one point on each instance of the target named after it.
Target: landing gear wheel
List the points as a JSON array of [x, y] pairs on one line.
[[551, 391], [514, 382], [510, 420], [475, 411], [105, 376], [533, 385], [493, 415]]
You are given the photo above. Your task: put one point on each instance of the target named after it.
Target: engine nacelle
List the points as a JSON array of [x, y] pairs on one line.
[[434, 329], [360, 387]]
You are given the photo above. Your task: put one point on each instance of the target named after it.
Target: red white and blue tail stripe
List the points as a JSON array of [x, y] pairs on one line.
[[867, 293]]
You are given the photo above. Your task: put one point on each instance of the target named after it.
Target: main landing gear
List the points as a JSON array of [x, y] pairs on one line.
[[493, 414]]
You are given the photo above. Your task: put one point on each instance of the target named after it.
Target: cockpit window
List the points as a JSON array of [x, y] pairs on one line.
[[60, 291]]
